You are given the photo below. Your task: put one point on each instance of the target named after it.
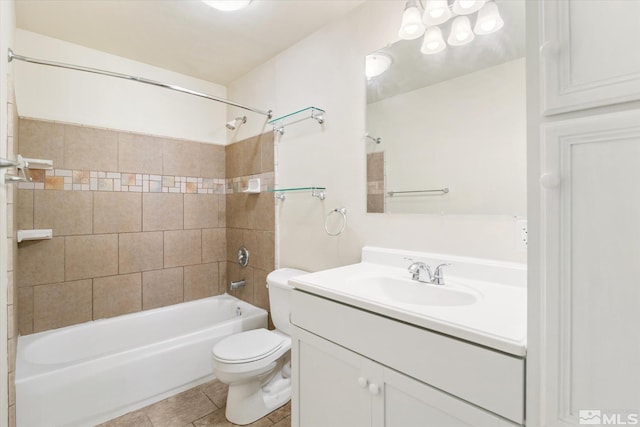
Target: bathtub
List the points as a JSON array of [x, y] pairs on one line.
[[86, 374]]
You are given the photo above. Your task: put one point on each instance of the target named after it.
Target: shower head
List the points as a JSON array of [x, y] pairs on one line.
[[233, 124]]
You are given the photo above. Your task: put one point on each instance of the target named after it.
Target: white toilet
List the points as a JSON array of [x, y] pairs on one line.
[[257, 364]]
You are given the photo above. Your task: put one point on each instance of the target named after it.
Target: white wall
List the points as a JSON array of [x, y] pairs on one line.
[[327, 70], [75, 97], [468, 134]]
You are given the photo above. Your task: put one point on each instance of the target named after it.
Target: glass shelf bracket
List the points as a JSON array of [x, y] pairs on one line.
[[318, 192], [314, 113]]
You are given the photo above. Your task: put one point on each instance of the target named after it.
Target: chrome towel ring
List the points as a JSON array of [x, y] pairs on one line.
[[341, 211]]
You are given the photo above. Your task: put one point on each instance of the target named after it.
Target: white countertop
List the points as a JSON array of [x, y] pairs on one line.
[[496, 320]]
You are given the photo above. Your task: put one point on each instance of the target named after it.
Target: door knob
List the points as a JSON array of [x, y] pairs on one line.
[[363, 382], [550, 180], [374, 389]]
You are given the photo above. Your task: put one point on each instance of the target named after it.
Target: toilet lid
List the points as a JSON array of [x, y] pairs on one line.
[[247, 346]]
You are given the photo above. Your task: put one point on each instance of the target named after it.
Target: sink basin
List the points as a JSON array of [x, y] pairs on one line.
[[406, 291]]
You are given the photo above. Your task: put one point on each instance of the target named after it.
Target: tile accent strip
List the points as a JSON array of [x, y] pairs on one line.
[[83, 180]]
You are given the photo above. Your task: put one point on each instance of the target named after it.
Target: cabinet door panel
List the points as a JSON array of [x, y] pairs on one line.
[[592, 231], [589, 53], [328, 387], [410, 403]]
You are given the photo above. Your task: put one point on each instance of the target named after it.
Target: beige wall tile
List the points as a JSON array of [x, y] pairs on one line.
[[91, 256], [200, 211], [12, 349], [90, 148], [200, 281], [162, 287], [41, 261], [262, 212], [243, 158], [237, 211], [214, 245], [162, 211], [267, 152], [24, 212], [140, 251], [65, 212], [222, 210], [222, 274], [261, 248], [235, 239], [116, 212], [180, 158], [116, 295], [139, 154], [375, 166], [25, 310], [42, 140], [260, 290], [61, 304], [212, 161], [183, 247]]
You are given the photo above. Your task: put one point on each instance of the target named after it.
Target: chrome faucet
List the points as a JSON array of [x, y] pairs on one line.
[[438, 276], [418, 270]]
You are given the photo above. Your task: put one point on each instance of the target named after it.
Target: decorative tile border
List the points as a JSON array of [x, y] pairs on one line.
[[83, 180]]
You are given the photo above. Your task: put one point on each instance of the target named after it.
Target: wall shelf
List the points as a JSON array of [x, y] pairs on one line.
[[318, 192], [314, 113]]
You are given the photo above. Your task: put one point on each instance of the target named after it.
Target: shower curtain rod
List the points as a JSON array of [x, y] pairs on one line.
[[12, 56]]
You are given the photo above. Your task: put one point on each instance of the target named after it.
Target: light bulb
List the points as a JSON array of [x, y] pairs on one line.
[[460, 32], [228, 5], [376, 64], [436, 12], [412, 26], [489, 20], [467, 7], [433, 41]]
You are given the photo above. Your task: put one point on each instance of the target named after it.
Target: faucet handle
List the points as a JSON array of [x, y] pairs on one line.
[[438, 276]]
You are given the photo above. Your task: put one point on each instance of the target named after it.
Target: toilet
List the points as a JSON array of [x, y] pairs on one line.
[[256, 364]]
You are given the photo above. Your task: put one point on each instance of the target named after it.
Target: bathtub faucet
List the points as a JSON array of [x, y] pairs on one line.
[[238, 284]]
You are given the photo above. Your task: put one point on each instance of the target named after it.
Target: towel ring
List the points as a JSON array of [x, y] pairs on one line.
[[341, 211]]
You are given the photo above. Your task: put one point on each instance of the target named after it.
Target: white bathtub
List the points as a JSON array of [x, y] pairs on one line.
[[86, 374]]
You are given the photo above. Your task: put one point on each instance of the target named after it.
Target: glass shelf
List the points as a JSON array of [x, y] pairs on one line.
[[318, 192], [297, 116]]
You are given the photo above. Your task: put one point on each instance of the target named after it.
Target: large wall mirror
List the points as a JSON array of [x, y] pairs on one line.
[[446, 132]]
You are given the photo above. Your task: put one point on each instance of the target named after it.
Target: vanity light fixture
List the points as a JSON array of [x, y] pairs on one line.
[[461, 33], [489, 20], [438, 12], [411, 26], [227, 5], [376, 64]]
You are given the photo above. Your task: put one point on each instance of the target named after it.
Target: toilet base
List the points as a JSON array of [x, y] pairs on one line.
[[249, 401]]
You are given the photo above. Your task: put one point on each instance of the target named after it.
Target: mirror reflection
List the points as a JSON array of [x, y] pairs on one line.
[[446, 122]]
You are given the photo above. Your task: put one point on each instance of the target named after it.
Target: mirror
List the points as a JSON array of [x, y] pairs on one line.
[[446, 132]]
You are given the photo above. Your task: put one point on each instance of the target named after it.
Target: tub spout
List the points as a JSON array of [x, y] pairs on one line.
[[238, 284]]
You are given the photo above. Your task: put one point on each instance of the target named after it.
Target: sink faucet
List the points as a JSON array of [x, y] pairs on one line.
[[418, 271], [438, 277]]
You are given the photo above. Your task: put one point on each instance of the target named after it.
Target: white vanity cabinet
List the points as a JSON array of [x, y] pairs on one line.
[[353, 368]]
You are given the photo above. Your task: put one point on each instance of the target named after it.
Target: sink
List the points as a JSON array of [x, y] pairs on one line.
[[406, 291]]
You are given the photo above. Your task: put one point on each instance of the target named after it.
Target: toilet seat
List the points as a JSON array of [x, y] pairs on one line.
[[248, 346]]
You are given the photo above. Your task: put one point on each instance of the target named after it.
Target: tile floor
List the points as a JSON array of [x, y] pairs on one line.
[[200, 406]]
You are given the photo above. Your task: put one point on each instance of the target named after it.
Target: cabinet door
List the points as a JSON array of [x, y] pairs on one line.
[[410, 403], [591, 247], [330, 384], [590, 54]]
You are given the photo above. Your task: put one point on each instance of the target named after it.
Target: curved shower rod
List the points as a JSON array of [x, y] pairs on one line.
[[12, 56]]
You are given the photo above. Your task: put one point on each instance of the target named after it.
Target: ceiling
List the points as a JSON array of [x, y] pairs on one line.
[[411, 70], [185, 36]]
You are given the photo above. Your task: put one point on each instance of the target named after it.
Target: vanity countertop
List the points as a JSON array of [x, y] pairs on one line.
[[496, 317]]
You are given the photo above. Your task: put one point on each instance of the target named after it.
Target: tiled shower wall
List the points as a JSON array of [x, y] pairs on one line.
[[12, 249], [375, 182], [251, 217], [138, 223]]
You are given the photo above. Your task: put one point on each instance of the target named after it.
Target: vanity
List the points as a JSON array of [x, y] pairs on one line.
[[373, 347]]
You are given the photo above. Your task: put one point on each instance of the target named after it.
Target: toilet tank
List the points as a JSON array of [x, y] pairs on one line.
[[280, 297]]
